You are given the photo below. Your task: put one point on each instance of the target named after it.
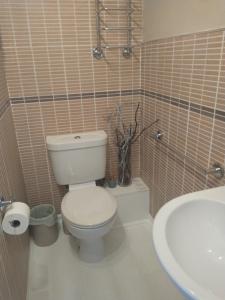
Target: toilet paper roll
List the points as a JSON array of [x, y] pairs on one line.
[[16, 219]]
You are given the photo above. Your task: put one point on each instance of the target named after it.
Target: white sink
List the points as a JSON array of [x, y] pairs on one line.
[[189, 238]]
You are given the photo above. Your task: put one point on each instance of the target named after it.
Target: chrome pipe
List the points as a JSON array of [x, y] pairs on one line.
[[97, 52], [98, 24]]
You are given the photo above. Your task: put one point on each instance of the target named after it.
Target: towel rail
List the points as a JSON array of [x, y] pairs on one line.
[[117, 46], [98, 52], [117, 28], [117, 9]]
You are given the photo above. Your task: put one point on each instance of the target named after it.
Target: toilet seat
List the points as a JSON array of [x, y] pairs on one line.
[[97, 226], [88, 207]]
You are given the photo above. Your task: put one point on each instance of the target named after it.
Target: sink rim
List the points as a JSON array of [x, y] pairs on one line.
[[182, 280]]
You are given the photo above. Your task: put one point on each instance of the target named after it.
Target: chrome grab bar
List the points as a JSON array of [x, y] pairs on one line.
[[217, 169]]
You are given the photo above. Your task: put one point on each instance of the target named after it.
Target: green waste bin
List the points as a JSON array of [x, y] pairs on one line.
[[43, 225]]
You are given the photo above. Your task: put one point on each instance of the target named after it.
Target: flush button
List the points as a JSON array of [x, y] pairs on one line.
[[77, 137]]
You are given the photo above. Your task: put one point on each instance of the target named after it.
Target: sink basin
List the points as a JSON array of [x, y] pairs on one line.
[[189, 239]]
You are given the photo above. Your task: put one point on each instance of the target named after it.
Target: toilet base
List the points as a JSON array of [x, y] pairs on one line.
[[91, 250]]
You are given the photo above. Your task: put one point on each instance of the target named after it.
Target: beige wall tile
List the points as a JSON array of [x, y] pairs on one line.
[[47, 52], [194, 73], [14, 251]]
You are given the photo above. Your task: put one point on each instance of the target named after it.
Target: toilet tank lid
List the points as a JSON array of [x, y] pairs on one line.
[[76, 140]]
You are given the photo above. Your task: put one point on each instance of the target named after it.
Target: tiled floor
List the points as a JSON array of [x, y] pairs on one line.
[[130, 270]]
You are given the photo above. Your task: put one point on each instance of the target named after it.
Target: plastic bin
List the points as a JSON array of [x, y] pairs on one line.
[[44, 227]]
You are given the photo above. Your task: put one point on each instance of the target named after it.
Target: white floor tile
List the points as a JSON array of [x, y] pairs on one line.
[[129, 271]]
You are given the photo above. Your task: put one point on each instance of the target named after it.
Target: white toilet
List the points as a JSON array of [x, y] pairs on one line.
[[88, 210]]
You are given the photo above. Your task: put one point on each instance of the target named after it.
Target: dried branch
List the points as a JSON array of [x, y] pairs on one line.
[[136, 122], [143, 130], [126, 136]]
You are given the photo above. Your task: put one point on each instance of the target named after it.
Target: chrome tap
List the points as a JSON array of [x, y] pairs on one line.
[[4, 203]]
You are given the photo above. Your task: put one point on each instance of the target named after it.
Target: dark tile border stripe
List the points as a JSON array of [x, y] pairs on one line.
[[199, 109], [189, 106], [71, 97]]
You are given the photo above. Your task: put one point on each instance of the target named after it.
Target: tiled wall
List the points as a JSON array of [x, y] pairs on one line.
[[183, 84], [56, 86], [13, 250]]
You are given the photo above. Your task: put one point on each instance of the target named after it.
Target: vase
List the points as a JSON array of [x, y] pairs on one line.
[[124, 161]]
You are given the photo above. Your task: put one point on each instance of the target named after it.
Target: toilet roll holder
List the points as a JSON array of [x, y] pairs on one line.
[[4, 203]]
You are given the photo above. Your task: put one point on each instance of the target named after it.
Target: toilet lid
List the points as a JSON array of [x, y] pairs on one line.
[[89, 206]]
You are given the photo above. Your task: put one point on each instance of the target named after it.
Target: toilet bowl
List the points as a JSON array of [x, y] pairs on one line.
[[88, 214]]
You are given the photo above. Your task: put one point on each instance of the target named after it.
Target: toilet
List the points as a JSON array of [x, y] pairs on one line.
[[88, 211]]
